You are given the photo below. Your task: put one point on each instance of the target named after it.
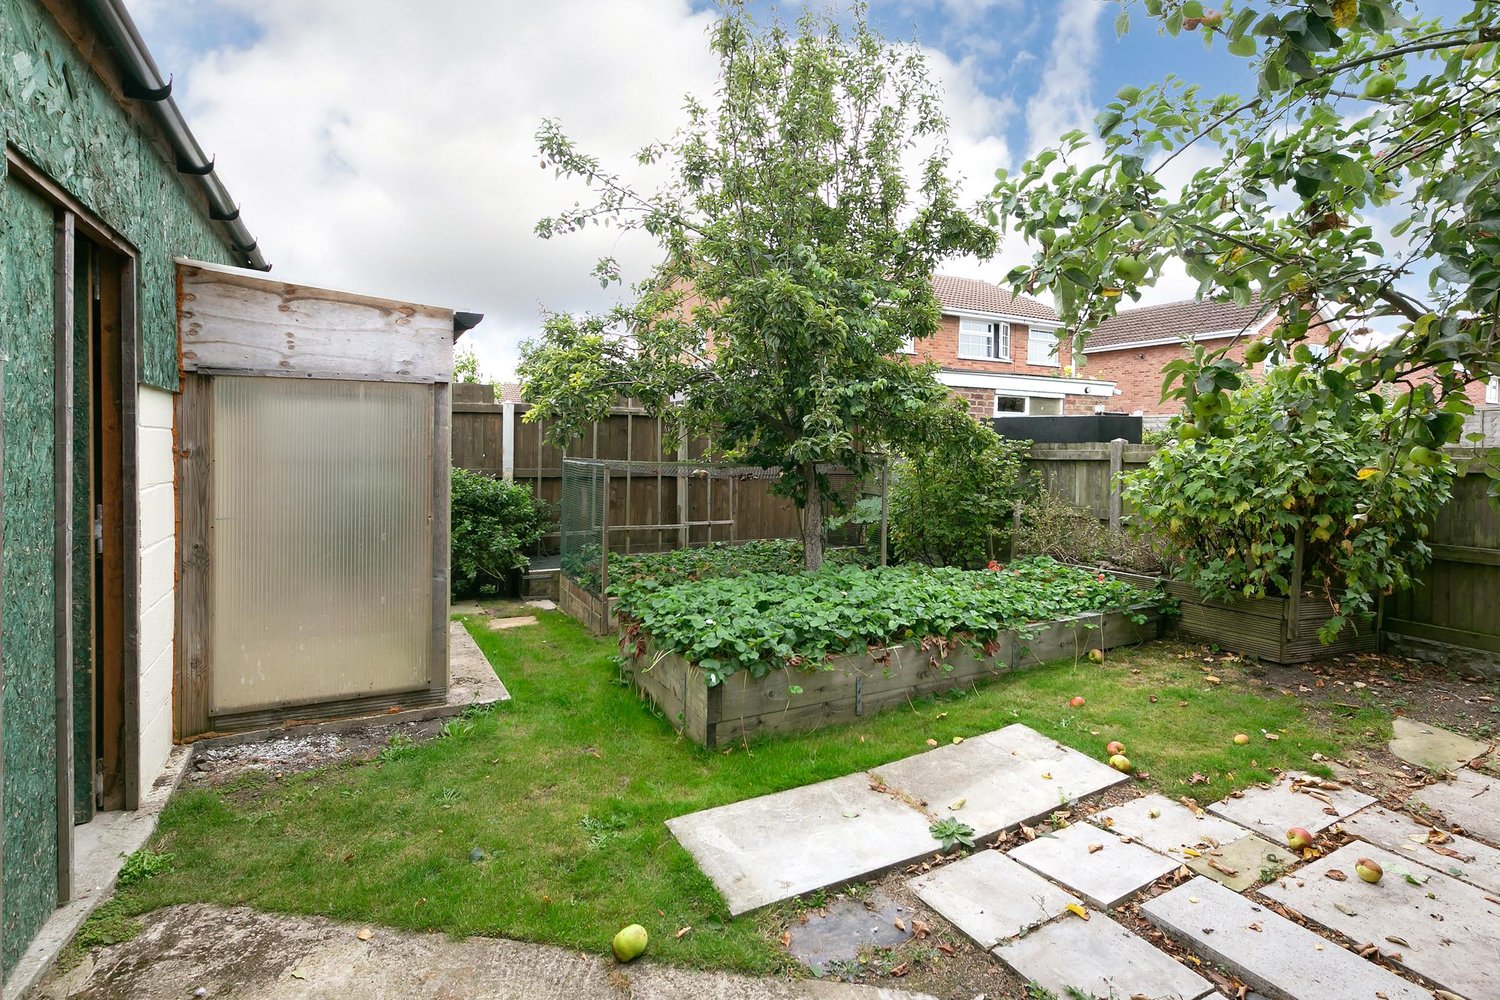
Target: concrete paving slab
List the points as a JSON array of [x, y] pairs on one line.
[[1477, 863], [1274, 810], [841, 929], [1471, 801], [1433, 747], [990, 897], [1277, 957], [261, 956], [519, 621], [1006, 777], [1241, 863], [471, 678], [1447, 929], [1166, 826], [777, 846], [1102, 959], [464, 608], [542, 604], [1094, 863]]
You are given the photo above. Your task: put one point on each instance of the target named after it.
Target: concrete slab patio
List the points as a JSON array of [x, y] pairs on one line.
[[1281, 959], [258, 956], [991, 898], [1101, 958], [1475, 863], [1290, 802], [1433, 747], [1471, 801], [777, 846], [1439, 927], [1094, 863]]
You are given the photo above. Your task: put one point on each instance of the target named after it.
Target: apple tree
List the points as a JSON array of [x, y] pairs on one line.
[[797, 257], [1358, 182]]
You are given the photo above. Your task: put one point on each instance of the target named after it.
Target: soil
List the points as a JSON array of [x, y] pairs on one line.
[[277, 758]]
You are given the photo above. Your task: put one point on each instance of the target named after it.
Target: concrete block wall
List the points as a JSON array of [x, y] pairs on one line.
[[158, 554]]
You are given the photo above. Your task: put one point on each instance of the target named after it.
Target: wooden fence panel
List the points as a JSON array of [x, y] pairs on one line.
[[1457, 602]]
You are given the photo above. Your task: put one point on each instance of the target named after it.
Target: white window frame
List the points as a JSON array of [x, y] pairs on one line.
[[1025, 405], [1492, 391], [1050, 358], [994, 331], [908, 346]]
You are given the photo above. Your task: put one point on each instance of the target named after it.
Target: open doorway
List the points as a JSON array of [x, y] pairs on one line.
[[98, 556]]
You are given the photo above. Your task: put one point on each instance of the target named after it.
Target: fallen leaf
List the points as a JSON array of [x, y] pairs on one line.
[[899, 924], [1345, 910], [1095, 848], [1078, 911], [1255, 927], [1393, 939], [901, 969], [365, 934], [786, 939], [1212, 679], [1192, 853], [1047, 775], [957, 740], [299, 973], [1336, 875], [947, 949], [932, 743], [682, 932], [921, 928], [1272, 737], [957, 804]]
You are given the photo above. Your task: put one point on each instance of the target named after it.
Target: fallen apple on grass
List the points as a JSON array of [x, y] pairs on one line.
[[1114, 747], [1120, 763], [1077, 701], [1368, 870], [1241, 739], [629, 944], [1096, 656], [1298, 839]]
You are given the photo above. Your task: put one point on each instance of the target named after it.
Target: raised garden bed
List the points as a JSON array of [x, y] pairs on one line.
[[1274, 629], [853, 685], [592, 611]]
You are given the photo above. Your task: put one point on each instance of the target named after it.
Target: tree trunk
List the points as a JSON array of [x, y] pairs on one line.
[[812, 522]]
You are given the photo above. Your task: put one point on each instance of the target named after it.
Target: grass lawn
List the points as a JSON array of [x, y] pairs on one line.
[[565, 790]]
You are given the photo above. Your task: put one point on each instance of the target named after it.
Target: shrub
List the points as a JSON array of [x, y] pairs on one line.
[[765, 621], [661, 569], [954, 491], [494, 522], [1050, 526], [1228, 503]]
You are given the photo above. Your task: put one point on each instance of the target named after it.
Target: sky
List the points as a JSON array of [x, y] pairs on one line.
[[387, 146]]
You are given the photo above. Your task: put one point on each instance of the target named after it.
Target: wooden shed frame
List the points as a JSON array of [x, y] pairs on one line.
[[235, 323]]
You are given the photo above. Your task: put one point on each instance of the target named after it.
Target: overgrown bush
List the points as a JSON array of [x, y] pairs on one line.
[[662, 569], [1227, 502], [1050, 526], [494, 523], [954, 491]]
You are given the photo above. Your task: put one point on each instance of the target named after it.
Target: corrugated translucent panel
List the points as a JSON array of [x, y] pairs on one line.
[[321, 554]]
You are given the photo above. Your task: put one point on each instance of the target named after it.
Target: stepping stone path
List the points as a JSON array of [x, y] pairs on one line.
[[496, 624], [1433, 747], [1294, 800], [990, 897], [1434, 925], [1444, 927], [1094, 863], [1269, 952], [1477, 864], [1101, 958], [1471, 801], [777, 846], [1206, 844]]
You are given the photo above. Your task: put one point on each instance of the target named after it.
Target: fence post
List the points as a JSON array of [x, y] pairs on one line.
[[1116, 466], [508, 440], [885, 500]]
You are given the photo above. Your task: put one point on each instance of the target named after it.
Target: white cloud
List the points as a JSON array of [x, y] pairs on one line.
[[1063, 102]]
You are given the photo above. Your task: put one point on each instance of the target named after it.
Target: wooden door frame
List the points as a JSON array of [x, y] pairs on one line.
[[73, 220]]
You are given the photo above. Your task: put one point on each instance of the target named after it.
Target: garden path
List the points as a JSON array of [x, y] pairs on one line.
[[1109, 905]]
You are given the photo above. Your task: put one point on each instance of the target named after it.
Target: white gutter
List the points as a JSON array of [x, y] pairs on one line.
[[1044, 386], [1038, 324]]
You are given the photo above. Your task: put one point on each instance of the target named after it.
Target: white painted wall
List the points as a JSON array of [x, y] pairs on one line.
[[158, 518]]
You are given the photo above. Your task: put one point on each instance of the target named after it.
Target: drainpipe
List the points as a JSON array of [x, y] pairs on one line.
[[144, 82]]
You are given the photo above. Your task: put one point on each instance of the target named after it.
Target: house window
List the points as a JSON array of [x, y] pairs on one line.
[[1010, 406], [1492, 391], [982, 340], [909, 345], [1042, 349]]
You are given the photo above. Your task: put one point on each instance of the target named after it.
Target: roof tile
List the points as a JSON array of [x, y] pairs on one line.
[[1175, 319], [972, 295]]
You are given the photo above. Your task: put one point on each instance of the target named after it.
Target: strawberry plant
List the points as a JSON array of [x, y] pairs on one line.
[[766, 621]]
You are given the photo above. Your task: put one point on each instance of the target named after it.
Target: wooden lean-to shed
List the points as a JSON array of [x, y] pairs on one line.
[[313, 465]]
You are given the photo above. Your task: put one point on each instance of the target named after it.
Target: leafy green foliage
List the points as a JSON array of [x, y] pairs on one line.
[[645, 570], [1228, 507], [144, 864], [797, 258], [952, 496], [1362, 167], [494, 523], [466, 366], [1050, 526], [762, 622], [952, 832]]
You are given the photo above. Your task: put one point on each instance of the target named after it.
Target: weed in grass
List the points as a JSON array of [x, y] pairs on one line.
[[603, 830], [144, 864], [397, 747]]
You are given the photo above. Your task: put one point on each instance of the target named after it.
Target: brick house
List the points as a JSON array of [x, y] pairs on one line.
[[1001, 353], [1131, 348]]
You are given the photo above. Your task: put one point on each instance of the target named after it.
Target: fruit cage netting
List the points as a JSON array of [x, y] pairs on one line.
[[611, 506]]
